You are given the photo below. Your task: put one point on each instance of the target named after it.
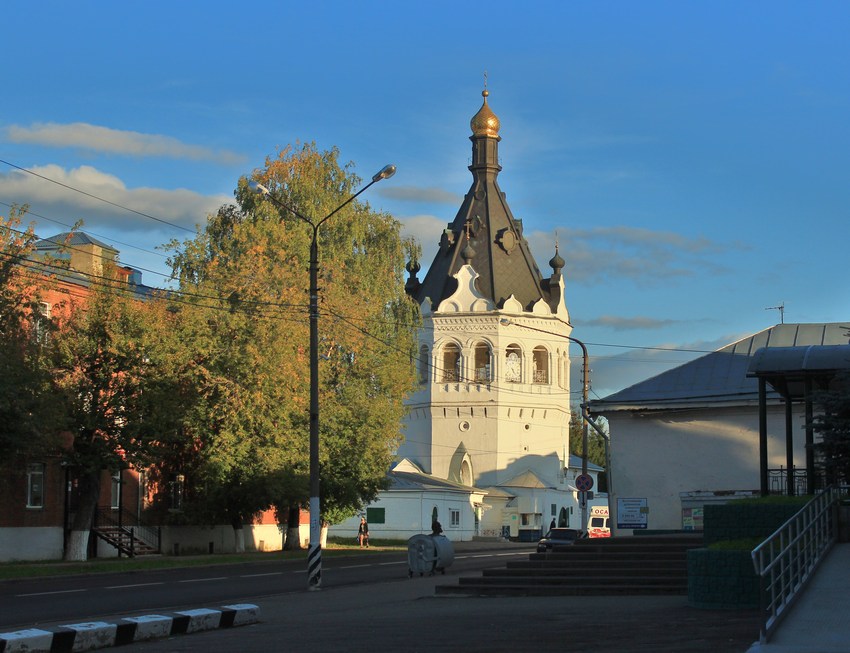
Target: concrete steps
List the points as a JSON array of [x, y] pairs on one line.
[[636, 565]]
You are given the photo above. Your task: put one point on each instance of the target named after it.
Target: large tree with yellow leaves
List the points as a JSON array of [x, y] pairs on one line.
[[243, 339]]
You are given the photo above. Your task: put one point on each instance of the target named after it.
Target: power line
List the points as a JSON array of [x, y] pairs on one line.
[[92, 233], [100, 199]]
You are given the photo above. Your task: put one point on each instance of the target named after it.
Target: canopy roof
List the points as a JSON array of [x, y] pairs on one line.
[[789, 369]]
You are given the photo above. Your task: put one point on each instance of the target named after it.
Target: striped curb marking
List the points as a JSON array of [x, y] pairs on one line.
[[101, 634]]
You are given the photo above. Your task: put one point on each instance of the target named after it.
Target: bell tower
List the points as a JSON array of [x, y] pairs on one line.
[[494, 394]]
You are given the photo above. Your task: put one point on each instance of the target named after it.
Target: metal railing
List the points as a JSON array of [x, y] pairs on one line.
[[133, 527], [777, 480], [787, 559]]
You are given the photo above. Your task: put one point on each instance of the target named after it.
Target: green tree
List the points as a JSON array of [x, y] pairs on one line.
[[27, 407], [833, 426], [103, 370], [246, 277], [595, 442]]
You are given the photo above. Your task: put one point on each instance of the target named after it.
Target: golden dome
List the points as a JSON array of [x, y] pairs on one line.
[[485, 122]]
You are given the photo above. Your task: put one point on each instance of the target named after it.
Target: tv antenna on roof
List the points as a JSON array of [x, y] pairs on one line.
[[781, 309]]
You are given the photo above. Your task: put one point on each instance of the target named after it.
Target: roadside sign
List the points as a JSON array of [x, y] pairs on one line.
[[584, 482], [632, 513]]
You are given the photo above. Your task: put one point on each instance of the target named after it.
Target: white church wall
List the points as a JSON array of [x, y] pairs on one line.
[[409, 513]]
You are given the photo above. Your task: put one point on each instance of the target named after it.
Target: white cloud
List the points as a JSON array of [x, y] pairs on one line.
[[101, 199], [646, 257], [116, 141], [420, 194], [620, 323], [426, 229]]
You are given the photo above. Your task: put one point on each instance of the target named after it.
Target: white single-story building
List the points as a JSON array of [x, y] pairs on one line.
[[690, 436]]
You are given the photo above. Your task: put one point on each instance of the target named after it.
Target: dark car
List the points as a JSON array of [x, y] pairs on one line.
[[556, 538]]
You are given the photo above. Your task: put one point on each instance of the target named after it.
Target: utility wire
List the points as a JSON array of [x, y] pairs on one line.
[[92, 233], [100, 199]]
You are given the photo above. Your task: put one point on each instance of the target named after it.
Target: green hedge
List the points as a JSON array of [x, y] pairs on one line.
[[722, 579]]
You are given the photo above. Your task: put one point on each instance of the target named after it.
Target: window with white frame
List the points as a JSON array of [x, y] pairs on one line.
[[115, 499], [454, 518], [35, 485], [42, 319]]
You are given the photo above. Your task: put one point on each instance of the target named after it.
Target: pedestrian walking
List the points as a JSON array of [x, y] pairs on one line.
[[363, 533]]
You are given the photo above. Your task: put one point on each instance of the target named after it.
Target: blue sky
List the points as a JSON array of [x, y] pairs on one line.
[[693, 158]]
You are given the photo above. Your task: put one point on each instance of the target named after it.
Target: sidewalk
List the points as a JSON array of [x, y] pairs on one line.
[[820, 620]]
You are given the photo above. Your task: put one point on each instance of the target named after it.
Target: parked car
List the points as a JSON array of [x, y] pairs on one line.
[[556, 538]]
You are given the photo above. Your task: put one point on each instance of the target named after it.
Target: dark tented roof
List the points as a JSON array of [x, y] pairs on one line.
[[486, 235], [720, 377]]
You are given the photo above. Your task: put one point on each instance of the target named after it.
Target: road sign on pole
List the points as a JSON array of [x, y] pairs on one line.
[[584, 482]]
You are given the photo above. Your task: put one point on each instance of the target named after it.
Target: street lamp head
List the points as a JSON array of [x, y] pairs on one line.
[[257, 187], [384, 173]]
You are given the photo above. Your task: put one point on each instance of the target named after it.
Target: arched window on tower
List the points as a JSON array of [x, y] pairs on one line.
[[541, 364], [424, 364], [513, 364], [482, 363], [451, 363]]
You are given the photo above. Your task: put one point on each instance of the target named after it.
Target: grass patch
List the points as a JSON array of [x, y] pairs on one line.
[[43, 569]]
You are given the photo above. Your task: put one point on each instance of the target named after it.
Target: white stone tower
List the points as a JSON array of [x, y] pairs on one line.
[[494, 396]]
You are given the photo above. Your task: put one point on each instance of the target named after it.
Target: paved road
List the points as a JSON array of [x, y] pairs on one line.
[[405, 615], [29, 603], [386, 611]]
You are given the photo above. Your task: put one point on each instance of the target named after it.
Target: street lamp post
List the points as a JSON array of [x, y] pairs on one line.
[[314, 554]]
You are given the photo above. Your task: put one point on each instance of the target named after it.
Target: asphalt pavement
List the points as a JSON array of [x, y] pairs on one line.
[[405, 615]]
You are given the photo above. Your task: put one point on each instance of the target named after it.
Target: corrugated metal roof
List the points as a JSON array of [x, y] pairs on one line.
[[721, 376], [575, 463], [76, 238]]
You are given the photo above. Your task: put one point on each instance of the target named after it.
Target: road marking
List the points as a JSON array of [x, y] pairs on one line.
[[271, 573], [120, 587], [56, 592], [353, 566], [202, 580]]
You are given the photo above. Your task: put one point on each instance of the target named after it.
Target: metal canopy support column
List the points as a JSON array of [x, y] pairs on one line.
[[763, 436], [810, 439], [789, 446]]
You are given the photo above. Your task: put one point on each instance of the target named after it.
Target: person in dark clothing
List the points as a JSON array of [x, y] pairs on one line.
[[436, 528], [363, 533]]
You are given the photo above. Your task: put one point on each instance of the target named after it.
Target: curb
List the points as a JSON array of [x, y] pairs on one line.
[[101, 634]]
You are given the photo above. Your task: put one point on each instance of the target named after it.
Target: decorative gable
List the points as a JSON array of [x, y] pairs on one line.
[[466, 299]]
